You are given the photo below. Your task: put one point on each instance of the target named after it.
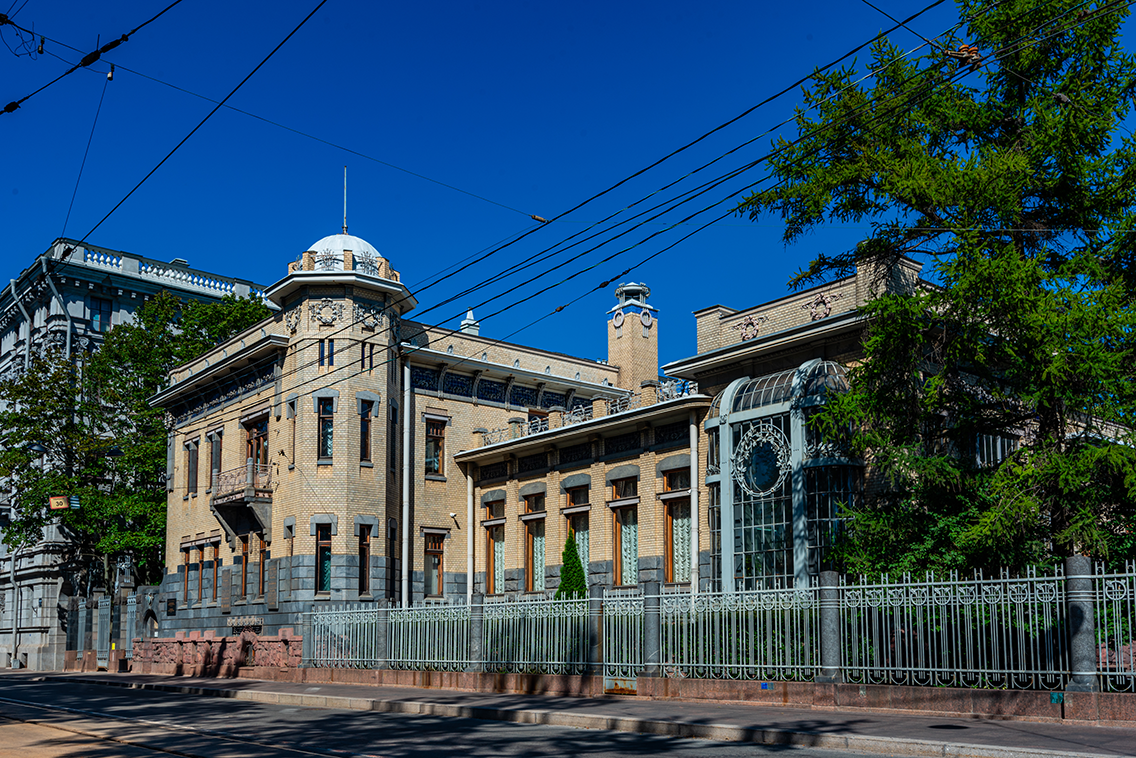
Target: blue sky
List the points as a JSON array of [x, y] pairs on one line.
[[533, 106]]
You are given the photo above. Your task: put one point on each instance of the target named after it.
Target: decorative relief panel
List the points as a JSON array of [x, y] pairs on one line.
[[370, 317], [749, 326], [821, 305], [761, 459], [326, 312]]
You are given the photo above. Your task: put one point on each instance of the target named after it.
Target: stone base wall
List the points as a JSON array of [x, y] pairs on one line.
[[204, 654]]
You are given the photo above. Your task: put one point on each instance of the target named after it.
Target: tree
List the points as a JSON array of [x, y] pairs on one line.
[[105, 408], [1005, 170], [573, 582]]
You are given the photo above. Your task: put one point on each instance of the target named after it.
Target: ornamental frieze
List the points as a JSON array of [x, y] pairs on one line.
[[326, 312]]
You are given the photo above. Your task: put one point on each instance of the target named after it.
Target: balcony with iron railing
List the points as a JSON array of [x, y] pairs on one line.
[[253, 481], [652, 394]]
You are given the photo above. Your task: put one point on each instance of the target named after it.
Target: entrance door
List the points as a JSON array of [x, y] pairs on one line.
[[256, 435]]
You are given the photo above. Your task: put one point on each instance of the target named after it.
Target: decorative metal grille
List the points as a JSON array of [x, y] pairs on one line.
[[328, 260], [346, 637], [578, 415], [102, 642], [131, 621], [422, 378], [458, 384], [622, 633], [494, 471], [430, 638], [575, 453], [950, 632], [625, 403], [676, 433], [553, 399], [1115, 605], [492, 391], [536, 636], [621, 443], [523, 396], [533, 462], [762, 634], [366, 263]]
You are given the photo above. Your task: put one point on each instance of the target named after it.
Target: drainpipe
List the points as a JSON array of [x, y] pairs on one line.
[[27, 330], [694, 519], [62, 305], [406, 484], [469, 534]]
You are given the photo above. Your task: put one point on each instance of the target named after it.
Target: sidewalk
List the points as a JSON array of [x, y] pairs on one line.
[[867, 731]]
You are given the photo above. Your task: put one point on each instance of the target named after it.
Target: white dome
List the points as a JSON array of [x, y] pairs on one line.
[[337, 243]]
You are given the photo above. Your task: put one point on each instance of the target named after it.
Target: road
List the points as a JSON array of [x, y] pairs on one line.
[[41, 719]]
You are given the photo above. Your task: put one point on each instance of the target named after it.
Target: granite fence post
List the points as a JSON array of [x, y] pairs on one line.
[[477, 633], [829, 596], [595, 629], [652, 629], [1082, 626], [306, 630]]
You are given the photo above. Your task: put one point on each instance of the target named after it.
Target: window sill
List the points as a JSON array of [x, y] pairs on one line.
[[574, 509], [493, 522], [623, 502], [435, 478], [366, 464], [324, 462], [537, 516], [683, 494]]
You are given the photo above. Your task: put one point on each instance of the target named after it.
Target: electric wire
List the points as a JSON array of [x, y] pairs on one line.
[[83, 164], [87, 60]]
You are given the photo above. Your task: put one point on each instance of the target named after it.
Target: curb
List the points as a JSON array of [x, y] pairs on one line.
[[892, 746]]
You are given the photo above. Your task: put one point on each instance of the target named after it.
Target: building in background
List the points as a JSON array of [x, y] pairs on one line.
[[68, 298]]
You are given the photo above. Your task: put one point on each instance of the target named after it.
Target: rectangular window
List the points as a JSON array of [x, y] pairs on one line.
[[677, 531], [534, 555], [365, 430], [578, 527], [185, 579], [216, 568], [434, 565], [214, 458], [244, 565], [323, 557], [200, 574], [327, 352], [679, 479], [624, 488], [495, 509], [262, 555], [392, 447], [367, 362], [191, 468], [325, 406], [626, 546], [364, 559], [578, 496], [101, 311], [435, 446], [495, 559], [534, 503]]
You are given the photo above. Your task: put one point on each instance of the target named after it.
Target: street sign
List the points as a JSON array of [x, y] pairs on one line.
[[74, 502], [58, 503]]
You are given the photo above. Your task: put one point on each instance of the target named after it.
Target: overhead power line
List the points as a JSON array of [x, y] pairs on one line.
[[87, 60]]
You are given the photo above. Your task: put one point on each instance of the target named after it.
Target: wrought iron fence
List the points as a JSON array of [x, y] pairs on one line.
[[761, 634], [131, 621], [622, 634], [102, 641], [239, 478], [1115, 605], [536, 636], [346, 638], [430, 638], [949, 631]]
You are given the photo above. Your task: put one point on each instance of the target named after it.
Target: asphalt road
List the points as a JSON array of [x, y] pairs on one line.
[[57, 719]]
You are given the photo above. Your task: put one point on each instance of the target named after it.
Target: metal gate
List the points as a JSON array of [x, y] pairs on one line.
[[102, 644], [622, 640], [128, 629]]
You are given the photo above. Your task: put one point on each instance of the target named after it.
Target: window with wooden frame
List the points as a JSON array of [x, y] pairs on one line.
[[578, 496], [191, 468], [327, 352], [216, 568], [434, 564], [435, 446], [101, 314], [256, 441], [262, 556], [534, 554], [244, 565], [323, 557], [534, 503], [626, 545], [624, 488], [364, 559], [495, 558], [366, 408], [494, 509], [579, 528], [676, 479], [200, 574], [676, 527], [325, 413]]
